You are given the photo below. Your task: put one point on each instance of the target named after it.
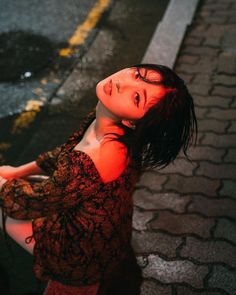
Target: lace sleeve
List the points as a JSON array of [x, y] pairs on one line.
[[67, 187], [47, 160]]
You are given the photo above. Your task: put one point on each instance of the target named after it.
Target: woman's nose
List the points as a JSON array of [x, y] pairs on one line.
[[117, 83], [122, 85]]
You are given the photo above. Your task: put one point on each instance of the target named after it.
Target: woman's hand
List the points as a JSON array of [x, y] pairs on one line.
[[8, 172], [2, 181]]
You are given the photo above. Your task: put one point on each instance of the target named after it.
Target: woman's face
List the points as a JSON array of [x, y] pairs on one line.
[[126, 95]]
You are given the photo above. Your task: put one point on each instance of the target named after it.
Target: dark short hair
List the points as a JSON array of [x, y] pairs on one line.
[[166, 127]]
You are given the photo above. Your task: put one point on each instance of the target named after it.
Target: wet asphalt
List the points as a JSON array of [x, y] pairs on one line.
[[121, 38]]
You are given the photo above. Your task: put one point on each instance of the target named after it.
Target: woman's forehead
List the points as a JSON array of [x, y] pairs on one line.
[[150, 74]]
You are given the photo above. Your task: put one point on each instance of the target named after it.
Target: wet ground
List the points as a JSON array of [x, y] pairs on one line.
[[127, 27], [53, 22], [121, 39]]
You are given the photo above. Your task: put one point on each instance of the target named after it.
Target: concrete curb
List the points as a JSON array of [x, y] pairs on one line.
[[169, 34]]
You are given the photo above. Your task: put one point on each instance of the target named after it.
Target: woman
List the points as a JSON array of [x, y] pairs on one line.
[[78, 222]]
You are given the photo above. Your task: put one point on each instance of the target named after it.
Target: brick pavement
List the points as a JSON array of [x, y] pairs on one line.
[[184, 230]]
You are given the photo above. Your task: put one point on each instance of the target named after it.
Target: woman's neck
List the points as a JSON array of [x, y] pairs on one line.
[[105, 122]]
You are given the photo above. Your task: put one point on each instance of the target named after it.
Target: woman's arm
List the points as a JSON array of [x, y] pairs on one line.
[[44, 164], [31, 168]]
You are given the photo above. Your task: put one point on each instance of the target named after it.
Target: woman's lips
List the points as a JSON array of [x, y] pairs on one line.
[[108, 87]]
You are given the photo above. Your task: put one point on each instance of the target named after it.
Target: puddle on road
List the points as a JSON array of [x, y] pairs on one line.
[[24, 55]]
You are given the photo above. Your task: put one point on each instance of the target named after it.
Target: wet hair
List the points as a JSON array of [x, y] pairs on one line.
[[166, 127]]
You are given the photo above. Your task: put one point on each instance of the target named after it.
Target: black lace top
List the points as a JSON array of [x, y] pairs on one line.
[[81, 225]]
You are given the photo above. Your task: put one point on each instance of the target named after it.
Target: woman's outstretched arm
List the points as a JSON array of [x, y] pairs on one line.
[[25, 170], [44, 164]]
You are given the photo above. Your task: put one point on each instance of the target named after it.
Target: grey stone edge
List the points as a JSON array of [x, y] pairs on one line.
[[168, 36]]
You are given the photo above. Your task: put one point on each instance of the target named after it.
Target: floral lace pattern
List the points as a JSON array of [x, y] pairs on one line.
[[82, 226]]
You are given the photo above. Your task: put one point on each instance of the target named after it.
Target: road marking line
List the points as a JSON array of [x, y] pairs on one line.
[[33, 107], [4, 146], [83, 30], [25, 118]]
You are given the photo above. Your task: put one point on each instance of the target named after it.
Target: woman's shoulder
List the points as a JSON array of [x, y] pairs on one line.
[[110, 160]]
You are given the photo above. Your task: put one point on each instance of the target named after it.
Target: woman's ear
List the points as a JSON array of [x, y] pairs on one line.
[[128, 123]]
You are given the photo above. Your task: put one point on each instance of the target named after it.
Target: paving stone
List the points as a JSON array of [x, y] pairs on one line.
[[213, 41], [213, 207], [201, 50], [152, 180], [200, 89], [195, 184], [232, 20], [151, 242], [217, 171], [232, 127], [223, 279], [208, 61], [209, 251], [202, 78], [197, 30], [193, 41], [207, 101], [216, 19], [204, 8], [204, 14], [178, 271], [200, 112], [227, 62], [229, 36], [181, 166], [141, 218], [206, 153], [225, 12], [222, 114], [217, 6], [228, 189], [158, 201], [200, 137], [212, 125], [188, 59], [225, 229], [230, 156], [216, 140], [152, 288], [233, 104], [201, 67], [186, 77], [215, 30], [224, 91], [183, 224], [182, 290], [226, 80]]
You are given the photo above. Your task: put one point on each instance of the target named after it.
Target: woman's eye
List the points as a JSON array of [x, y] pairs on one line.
[[136, 75], [137, 99]]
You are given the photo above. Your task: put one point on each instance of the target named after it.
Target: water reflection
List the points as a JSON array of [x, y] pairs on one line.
[[24, 55]]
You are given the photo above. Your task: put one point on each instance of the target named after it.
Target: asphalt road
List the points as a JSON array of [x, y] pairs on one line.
[[55, 20]]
